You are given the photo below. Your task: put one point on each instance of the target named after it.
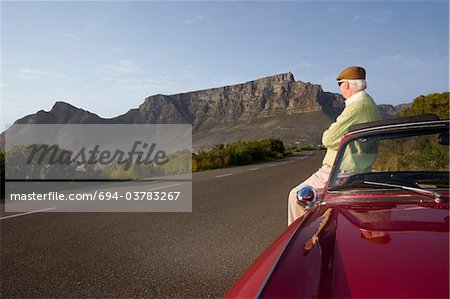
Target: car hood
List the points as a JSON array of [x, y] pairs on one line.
[[366, 250]]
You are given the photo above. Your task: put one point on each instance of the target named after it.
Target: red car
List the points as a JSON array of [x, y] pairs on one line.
[[381, 230]]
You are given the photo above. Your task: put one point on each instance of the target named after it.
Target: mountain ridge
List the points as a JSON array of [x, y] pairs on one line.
[[227, 113]]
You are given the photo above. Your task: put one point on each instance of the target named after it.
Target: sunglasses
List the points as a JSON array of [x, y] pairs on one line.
[[340, 83]]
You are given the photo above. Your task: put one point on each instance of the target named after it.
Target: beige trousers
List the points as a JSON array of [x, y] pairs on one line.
[[318, 181]]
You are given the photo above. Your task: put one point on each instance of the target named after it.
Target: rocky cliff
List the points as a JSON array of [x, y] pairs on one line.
[[270, 96], [390, 111]]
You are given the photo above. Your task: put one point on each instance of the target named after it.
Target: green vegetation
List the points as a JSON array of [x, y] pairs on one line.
[[177, 163], [238, 153], [18, 167], [57, 163], [436, 103], [220, 156], [296, 149], [418, 153]]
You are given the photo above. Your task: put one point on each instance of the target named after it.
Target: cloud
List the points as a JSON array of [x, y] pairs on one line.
[[128, 76], [113, 52], [35, 74], [32, 72], [376, 17], [155, 80], [197, 18], [122, 67]]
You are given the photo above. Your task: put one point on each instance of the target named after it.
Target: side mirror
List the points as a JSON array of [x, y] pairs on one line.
[[444, 138], [306, 196]]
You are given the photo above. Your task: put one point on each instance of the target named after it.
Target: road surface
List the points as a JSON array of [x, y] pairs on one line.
[[236, 213]]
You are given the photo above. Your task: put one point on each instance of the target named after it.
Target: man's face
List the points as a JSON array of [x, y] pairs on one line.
[[344, 88]]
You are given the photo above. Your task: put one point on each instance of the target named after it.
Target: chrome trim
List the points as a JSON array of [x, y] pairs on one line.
[[406, 125], [306, 196]]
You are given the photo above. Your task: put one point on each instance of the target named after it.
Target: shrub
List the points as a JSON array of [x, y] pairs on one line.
[[436, 103], [238, 153]]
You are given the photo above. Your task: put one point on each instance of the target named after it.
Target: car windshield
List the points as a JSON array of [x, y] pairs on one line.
[[414, 159]]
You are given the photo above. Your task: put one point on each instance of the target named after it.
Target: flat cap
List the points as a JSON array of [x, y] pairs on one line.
[[352, 73]]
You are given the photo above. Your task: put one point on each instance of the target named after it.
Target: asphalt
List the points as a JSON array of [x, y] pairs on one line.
[[236, 213]]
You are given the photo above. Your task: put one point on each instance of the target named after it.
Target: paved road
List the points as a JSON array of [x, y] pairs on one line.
[[237, 212]]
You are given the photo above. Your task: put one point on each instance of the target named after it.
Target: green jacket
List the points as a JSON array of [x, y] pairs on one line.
[[360, 108]]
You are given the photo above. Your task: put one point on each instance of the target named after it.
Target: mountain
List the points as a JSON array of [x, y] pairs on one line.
[[275, 106], [389, 111], [62, 113]]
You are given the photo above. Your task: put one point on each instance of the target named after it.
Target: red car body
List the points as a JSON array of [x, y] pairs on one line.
[[359, 244]]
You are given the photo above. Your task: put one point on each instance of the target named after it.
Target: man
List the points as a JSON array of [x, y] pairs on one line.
[[359, 108]]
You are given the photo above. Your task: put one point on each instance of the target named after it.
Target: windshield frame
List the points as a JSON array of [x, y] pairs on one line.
[[382, 133]]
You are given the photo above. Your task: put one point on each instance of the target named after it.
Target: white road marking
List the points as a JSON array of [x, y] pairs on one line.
[[162, 187], [27, 213], [253, 169], [223, 175]]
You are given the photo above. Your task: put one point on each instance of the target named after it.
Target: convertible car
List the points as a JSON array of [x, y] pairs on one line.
[[381, 228]]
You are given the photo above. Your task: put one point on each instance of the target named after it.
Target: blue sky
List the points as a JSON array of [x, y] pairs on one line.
[[106, 57]]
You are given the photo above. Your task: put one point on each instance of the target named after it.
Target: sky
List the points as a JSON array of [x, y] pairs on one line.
[[107, 57]]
